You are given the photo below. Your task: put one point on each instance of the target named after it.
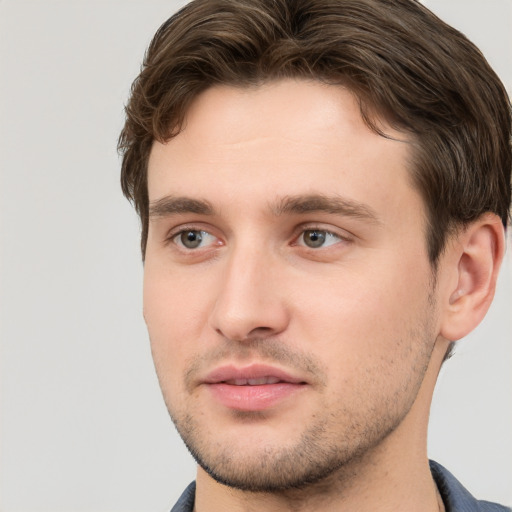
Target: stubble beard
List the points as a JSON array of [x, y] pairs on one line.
[[313, 459], [320, 454], [325, 452]]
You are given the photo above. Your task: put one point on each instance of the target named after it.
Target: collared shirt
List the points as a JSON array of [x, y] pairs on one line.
[[455, 497]]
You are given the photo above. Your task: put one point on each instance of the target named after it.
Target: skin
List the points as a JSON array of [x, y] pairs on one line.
[[358, 320]]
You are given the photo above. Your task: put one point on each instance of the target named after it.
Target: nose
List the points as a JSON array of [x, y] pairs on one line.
[[251, 301]]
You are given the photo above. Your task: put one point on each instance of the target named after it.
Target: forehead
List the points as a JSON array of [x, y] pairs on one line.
[[284, 138]]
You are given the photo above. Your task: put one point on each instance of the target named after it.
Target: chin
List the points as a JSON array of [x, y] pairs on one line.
[[266, 466]]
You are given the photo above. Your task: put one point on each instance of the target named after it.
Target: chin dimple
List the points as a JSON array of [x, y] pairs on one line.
[[253, 382]]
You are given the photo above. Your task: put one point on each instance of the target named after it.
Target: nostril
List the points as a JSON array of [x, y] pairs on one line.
[[261, 331], [254, 334]]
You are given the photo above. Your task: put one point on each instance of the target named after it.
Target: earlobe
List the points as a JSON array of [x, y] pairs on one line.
[[479, 251]]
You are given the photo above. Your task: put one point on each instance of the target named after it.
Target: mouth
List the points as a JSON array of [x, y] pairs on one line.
[[252, 388], [262, 381]]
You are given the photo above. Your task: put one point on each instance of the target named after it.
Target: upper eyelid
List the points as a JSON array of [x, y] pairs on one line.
[[340, 240], [173, 240], [201, 231], [297, 231], [176, 230], [338, 232]]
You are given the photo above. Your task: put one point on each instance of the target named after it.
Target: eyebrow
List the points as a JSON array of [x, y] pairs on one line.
[[300, 204], [316, 203], [171, 205]]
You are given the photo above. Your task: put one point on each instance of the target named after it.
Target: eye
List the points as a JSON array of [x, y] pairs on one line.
[[316, 238], [193, 239]]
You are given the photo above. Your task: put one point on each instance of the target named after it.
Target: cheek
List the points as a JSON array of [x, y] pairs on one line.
[[375, 344], [366, 317], [173, 315]]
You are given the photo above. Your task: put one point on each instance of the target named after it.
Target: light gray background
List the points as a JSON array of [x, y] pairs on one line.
[[82, 425]]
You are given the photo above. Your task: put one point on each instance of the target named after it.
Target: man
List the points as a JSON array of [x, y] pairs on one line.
[[323, 188]]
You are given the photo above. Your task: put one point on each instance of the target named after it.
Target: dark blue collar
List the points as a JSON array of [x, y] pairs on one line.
[[456, 497]]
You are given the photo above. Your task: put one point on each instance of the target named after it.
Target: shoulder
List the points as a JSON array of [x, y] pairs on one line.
[[456, 497]]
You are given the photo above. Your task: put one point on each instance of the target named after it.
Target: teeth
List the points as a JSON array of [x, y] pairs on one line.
[[263, 380], [253, 382]]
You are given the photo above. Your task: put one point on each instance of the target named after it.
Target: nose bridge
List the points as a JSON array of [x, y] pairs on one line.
[[248, 302]]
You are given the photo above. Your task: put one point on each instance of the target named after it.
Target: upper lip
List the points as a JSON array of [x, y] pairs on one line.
[[254, 372]]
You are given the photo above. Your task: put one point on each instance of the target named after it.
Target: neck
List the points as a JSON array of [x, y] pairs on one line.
[[404, 485]]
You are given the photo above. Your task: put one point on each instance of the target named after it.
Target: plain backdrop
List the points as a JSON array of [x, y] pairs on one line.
[[82, 424]]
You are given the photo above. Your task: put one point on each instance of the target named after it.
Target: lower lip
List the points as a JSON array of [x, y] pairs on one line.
[[253, 398]]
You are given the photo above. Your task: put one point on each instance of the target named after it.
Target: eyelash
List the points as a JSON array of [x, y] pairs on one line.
[[317, 229], [300, 232], [173, 236]]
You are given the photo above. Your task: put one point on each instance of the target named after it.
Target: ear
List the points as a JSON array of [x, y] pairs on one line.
[[474, 261]]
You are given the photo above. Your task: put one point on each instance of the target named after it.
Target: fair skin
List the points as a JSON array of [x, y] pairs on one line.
[[294, 321]]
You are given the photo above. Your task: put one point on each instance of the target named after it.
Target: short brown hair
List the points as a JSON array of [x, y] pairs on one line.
[[404, 64]]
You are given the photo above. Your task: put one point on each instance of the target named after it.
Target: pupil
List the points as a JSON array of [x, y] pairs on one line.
[[314, 238], [191, 239]]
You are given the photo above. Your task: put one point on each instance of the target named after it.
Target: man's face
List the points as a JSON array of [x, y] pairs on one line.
[[287, 292]]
